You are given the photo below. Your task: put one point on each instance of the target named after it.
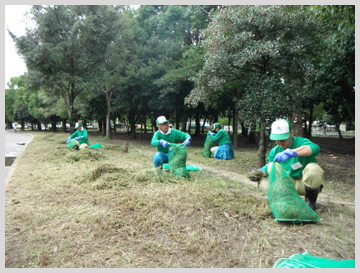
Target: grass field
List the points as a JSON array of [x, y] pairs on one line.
[[109, 209]]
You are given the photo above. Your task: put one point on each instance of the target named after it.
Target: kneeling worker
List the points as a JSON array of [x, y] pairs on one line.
[[81, 135], [298, 155], [225, 149], [163, 137]]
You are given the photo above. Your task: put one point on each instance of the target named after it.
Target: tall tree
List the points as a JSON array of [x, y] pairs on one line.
[[258, 46], [53, 53], [105, 42], [17, 101]]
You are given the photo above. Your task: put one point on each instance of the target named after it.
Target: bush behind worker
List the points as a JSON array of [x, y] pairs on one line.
[[163, 137], [81, 135], [298, 155]]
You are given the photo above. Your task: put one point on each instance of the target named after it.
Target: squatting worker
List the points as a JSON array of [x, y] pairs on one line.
[[298, 155], [81, 135], [163, 137], [225, 149]]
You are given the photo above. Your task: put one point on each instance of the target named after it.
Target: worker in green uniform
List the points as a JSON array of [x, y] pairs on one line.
[[81, 135], [298, 156], [225, 149], [163, 137]]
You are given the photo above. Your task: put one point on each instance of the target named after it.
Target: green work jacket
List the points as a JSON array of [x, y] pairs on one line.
[[222, 137], [83, 134], [173, 137], [304, 160]]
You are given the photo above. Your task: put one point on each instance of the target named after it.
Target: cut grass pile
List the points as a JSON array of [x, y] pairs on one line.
[[106, 208]]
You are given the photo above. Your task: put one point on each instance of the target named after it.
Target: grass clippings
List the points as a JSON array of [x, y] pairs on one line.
[[107, 209]]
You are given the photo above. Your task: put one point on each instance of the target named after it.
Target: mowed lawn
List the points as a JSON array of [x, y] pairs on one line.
[[104, 208]]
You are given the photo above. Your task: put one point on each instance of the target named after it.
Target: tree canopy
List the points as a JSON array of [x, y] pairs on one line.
[[251, 64]]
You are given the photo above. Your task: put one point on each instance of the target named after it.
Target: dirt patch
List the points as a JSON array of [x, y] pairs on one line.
[[323, 199]]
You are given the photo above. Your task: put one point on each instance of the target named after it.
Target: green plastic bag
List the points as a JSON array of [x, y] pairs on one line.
[[96, 146], [307, 260], [285, 202], [72, 143], [177, 160], [207, 146]]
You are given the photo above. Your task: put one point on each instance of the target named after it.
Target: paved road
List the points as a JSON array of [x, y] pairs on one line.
[[15, 144]]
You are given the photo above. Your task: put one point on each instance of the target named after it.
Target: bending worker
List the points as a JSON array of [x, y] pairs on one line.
[[298, 155], [163, 137], [81, 135], [225, 149]]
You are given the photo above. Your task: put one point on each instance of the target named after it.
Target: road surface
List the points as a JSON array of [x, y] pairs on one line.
[[15, 144]]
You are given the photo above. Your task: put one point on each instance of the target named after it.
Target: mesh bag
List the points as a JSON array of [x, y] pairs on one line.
[[285, 202], [177, 160], [207, 146], [307, 260], [73, 143]]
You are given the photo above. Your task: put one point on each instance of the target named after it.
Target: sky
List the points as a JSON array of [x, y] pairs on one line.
[[14, 20]]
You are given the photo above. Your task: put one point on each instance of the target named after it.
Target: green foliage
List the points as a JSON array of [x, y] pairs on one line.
[[110, 61], [340, 16], [17, 99]]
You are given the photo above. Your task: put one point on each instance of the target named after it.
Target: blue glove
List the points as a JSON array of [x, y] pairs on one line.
[[78, 138], [285, 155], [69, 138], [187, 141], [164, 143], [259, 170], [211, 133]]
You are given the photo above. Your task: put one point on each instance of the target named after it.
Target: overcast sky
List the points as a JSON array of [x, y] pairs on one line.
[[14, 20]]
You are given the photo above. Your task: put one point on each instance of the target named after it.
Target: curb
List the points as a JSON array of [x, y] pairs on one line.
[[14, 165]]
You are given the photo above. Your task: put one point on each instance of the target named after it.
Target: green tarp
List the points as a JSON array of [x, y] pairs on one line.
[[307, 260]]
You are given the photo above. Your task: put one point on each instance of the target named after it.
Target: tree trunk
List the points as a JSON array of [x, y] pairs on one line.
[[100, 126], [244, 130], [189, 124], [229, 120], [133, 126], [114, 121], [311, 120], [337, 126], [252, 136], [183, 125], [145, 127], [203, 126], [140, 130], [103, 133], [197, 124], [262, 146], [53, 126], [22, 122], [178, 121], [235, 126], [39, 125], [63, 122], [108, 112], [296, 120], [348, 108]]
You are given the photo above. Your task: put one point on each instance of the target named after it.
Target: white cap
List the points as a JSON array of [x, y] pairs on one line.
[[280, 129], [160, 120]]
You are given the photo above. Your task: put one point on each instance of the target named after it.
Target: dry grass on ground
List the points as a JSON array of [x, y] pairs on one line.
[[106, 208]]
